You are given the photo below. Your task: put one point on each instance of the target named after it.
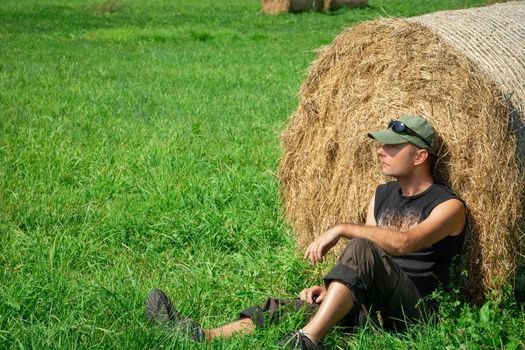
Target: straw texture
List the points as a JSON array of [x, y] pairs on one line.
[[493, 37], [382, 69]]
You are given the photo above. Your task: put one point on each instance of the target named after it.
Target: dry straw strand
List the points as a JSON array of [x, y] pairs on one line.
[[380, 70]]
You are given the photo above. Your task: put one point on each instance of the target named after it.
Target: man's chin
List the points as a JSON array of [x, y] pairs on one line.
[[391, 174], [386, 172]]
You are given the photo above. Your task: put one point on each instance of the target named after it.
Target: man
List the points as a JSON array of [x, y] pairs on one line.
[[414, 229]]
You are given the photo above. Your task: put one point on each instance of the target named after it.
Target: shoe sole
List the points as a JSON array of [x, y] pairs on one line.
[[158, 307]]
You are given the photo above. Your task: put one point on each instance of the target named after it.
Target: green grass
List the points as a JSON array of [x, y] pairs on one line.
[[138, 147]]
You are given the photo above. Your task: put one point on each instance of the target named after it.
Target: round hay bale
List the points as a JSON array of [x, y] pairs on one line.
[[273, 7], [306, 5], [379, 70], [280, 6], [334, 5]]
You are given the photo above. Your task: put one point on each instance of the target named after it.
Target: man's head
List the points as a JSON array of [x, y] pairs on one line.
[[407, 143]]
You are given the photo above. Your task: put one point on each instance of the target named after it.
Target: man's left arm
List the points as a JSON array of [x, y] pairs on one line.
[[447, 219]]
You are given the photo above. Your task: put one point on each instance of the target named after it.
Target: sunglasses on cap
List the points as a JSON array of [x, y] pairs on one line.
[[401, 128]]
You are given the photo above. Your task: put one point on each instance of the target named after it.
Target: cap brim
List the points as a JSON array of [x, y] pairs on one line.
[[388, 137]]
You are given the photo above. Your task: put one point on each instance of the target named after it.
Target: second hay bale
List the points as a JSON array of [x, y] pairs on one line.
[[335, 5], [280, 6], [272, 7], [306, 5]]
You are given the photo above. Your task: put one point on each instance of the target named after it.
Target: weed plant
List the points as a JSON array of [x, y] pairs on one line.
[[138, 149]]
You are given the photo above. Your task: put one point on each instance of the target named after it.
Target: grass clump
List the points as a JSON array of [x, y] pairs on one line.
[[106, 7]]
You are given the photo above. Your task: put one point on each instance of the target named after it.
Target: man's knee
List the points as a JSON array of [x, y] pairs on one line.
[[357, 251]]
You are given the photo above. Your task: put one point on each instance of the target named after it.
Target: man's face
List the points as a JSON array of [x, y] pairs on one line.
[[397, 160]]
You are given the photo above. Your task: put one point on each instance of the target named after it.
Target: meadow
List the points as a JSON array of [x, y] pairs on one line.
[[139, 143]]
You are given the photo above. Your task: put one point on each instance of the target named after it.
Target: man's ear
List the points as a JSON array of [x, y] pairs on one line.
[[421, 156]]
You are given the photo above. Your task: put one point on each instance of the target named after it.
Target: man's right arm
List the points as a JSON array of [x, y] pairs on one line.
[[447, 219], [334, 236]]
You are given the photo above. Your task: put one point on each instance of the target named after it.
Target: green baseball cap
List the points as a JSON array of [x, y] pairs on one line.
[[409, 128]]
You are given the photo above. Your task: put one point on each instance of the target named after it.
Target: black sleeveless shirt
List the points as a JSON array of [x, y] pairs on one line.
[[429, 266]]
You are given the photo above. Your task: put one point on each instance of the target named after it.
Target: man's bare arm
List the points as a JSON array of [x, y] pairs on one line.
[[447, 219], [370, 217]]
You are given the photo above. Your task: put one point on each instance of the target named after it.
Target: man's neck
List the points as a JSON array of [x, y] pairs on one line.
[[411, 186]]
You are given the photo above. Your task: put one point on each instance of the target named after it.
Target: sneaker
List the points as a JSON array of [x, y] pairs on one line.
[[300, 341], [160, 310]]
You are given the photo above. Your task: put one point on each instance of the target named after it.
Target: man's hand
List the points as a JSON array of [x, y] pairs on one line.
[[314, 294], [322, 244]]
